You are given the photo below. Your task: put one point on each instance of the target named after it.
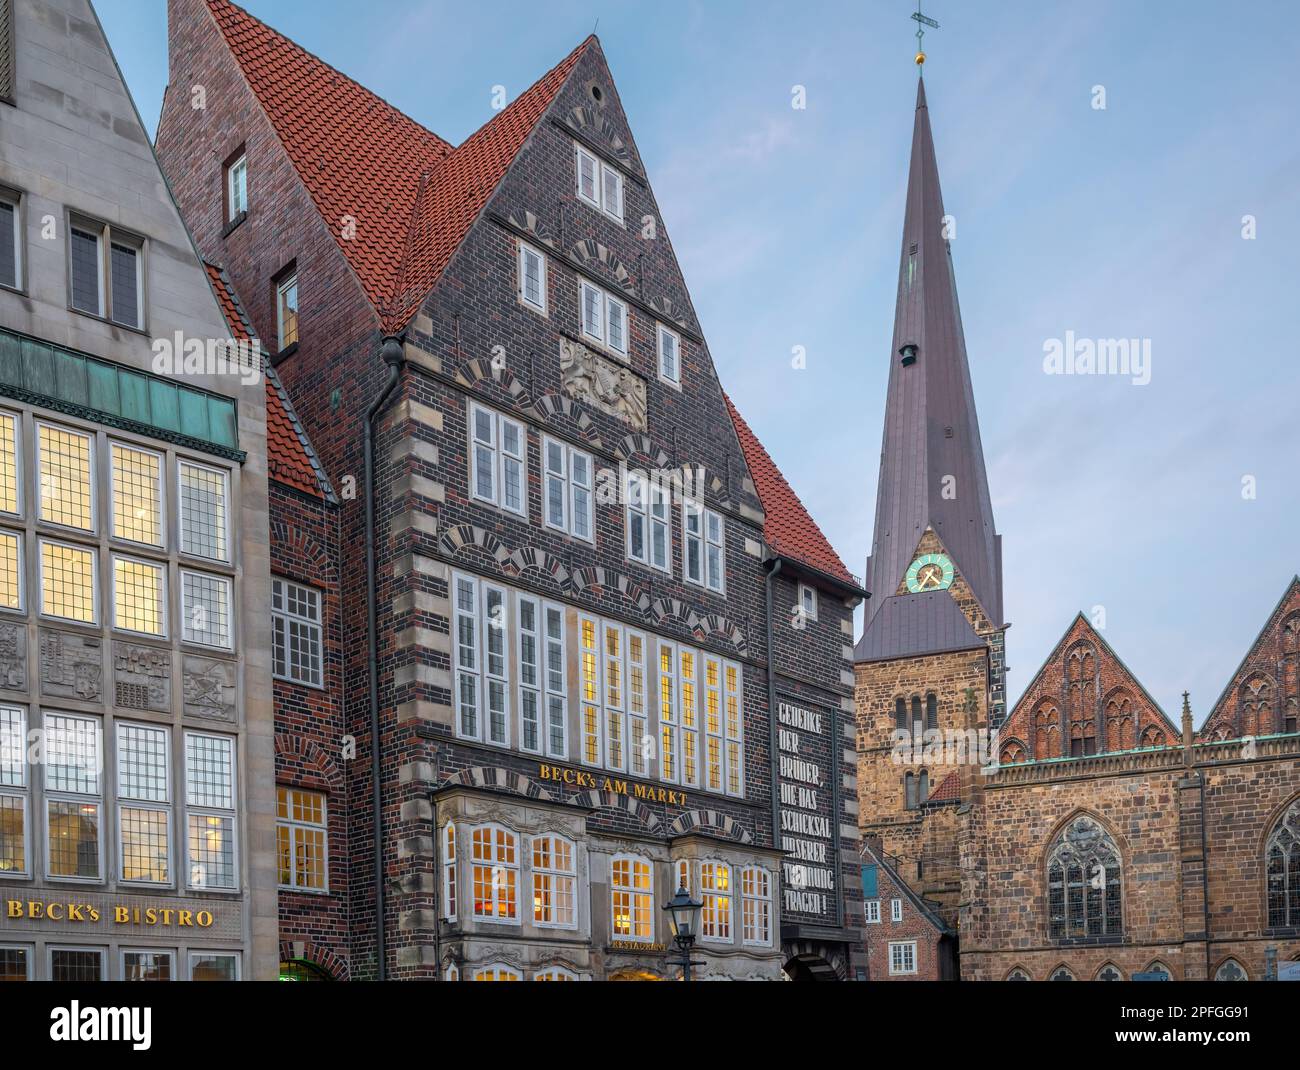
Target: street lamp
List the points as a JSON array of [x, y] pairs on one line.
[[682, 911]]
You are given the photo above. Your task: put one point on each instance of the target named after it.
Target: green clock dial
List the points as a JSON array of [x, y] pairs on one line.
[[930, 572]]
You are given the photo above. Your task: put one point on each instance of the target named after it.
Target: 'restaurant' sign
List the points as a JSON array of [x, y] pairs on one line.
[[804, 754]]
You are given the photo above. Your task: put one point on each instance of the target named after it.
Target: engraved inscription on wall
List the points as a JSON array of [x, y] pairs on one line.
[[72, 666], [13, 657], [142, 678], [209, 688], [605, 384]]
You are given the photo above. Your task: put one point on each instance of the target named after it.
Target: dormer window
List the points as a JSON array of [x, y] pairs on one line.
[[599, 184]]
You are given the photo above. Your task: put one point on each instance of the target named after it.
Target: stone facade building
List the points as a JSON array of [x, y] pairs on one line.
[[581, 578], [1084, 835], [136, 776]]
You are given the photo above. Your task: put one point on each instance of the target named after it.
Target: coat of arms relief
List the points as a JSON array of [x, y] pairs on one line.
[[609, 386]]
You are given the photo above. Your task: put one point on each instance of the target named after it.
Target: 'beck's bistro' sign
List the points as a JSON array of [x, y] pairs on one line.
[[74, 913], [807, 826]]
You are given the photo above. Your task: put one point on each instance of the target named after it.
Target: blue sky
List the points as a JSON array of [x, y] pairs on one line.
[[1116, 223]]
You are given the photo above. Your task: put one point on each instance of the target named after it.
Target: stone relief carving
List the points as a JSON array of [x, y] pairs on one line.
[[13, 657], [208, 688], [72, 666], [600, 382], [142, 678]]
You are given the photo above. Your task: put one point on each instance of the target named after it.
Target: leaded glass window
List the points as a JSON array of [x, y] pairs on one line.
[[210, 820], [1282, 859], [137, 495], [68, 581], [204, 511], [206, 609], [1084, 883], [301, 838], [144, 814], [67, 489]]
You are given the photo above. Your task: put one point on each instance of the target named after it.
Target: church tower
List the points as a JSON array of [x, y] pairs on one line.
[[930, 663]]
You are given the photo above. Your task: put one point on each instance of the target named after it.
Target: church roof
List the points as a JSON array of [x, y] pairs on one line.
[[910, 625], [412, 194], [788, 527], [932, 461]]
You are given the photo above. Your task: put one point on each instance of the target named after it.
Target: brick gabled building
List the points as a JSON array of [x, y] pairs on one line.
[[572, 548]]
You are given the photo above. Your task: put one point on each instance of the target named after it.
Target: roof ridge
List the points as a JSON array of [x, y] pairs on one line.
[[214, 4]]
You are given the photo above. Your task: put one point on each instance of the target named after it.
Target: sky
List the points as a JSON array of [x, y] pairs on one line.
[[1168, 512]]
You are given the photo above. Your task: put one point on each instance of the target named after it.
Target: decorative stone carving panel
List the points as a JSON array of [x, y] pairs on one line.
[[72, 666], [142, 678], [602, 383], [13, 657], [209, 688]]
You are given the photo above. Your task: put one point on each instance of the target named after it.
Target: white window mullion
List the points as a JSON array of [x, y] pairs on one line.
[[530, 683], [468, 682], [590, 696], [496, 690], [557, 744]]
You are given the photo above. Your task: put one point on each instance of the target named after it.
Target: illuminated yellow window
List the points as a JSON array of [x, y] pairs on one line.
[[497, 973], [632, 898], [715, 893], [495, 872], [139, 596], [67, 582], [8, 463], [554, 882], [137, 495], [590, 735], [66, 482], [300, 835], [11, 570], [145, 852]]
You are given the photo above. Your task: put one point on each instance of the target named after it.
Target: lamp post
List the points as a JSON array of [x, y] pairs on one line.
[[682, 913]]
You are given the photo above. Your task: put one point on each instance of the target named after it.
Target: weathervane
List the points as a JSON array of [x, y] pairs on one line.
[[921, 23]]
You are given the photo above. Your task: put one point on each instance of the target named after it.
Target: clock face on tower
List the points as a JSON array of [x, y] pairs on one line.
[[930, 572]]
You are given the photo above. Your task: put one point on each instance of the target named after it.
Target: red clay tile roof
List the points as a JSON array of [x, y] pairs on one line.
[[290, 458], [788, 528], [946, 790], [412, 194]]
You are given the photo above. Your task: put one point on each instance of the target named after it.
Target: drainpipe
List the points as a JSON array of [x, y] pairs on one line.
[[769, 584], [394, 356]]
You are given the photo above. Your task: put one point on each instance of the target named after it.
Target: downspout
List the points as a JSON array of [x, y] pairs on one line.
[[769, 583], [394, 356]]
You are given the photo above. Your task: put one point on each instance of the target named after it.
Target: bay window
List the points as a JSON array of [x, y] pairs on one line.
[[756, 906], [631, 894], [494, 869], [554, 882], [715, 894], [449, 872]]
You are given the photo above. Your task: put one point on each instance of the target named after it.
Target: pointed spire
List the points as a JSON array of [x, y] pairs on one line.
[[932, 462]]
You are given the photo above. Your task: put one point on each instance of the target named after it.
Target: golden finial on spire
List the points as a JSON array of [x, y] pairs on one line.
[[921, 23]]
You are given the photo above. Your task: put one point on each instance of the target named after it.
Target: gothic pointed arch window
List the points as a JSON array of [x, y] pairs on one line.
[[1255, 706], [1291, 634], [1081, 699], [1231, 970], [1017, 974], [1062, 973], [1084, 890], [1157, 966], [1012, 751], [917, 723], [1121, 721], [1282, 862], [1109, 972], [1152, 737], [916, 789], [1047, 730], [1291, 716], [931, 711], [900, 714]]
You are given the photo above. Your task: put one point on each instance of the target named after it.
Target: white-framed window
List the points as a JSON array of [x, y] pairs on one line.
[[66, 477], [214, 966], [555, 973], [599, 184], [449, 898], [732, 699], [590, 691], [206, 609], [15, 830], [756, 906], [11, 240], [210, 811], [236, 187], [69, 582], [73, 797], [297, 646], [648, 521], [872, 907], [452, 973], [11, 464], [15, 962], [481, 612], [704, 551], [568, 489], [12, 571], [714, 747], [689, 720], [136, 504], [532, 277], [902, 957], [895, 910], [204, 510], [604, 317], [144, 811], [640, 741], [807, 602], [494, 864], [139, 596], [631, 896], [147, 964], [670, 356], [715, 894], [554, 882], [668, 749], [286, 311], [302, 839], [497, 972], [542, 699], [499, 459], [77, 964], [106, 272]]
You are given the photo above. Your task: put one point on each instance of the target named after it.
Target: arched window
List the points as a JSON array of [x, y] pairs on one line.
[[497, 972], [1083, 882], [302, 970], [631, 897], [1282, 859], [715, 894], [1081, 699], [495, 857], [900, 714], [1121, 722], [555, 973], [1230, 970], [452, 972], [931, 711], [756, 906], [917, 723], [923, 788], [554, 878], [1109, 972], [1254, 707], [1159, 967], [1152, 737], [909, 791], [1061, 973], [1291, 718], [1012, 751], [1047, 730], [1017, 974]]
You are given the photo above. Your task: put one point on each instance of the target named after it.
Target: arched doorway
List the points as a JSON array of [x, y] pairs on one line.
[[302, 970]]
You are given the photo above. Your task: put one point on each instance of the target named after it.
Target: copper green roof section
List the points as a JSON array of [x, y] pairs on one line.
[[51, 377]]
